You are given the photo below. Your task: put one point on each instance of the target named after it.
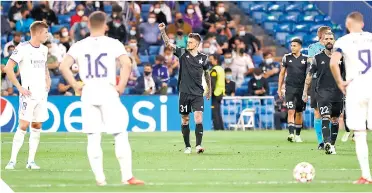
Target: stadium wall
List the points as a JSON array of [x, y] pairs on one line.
[[338, 10], [145, 114]]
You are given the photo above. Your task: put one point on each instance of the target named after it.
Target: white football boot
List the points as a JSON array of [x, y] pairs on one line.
[[32, 166], [10, 166], [298, 139], [187, 150]]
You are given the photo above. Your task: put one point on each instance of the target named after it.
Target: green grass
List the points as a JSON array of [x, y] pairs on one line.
[[233, 161]]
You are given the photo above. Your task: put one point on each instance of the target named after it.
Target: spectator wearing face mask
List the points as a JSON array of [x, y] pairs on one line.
[[160, 16], [229, 83], [193, 19], [65, 39], [117, 29], [160, 71], [14, 13], [270, 68], [165, 9], [258, 85], [16, 40], [179, 24], [80, 30], [150, 33], [132, 51], [78, 16], [228, 59], [253, 44], [171, 62], [222, 33], [52, 61], [135, 72], [91, 6], [43, 12], [23, 25], [6, 84], [181, 39], [58, 49], [146, 84], [64, 87], [172, 40], [133, 32], [214, 16], [241, 65], [212, 44]]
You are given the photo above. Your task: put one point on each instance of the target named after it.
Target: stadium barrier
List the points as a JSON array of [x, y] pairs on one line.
[[250, 112], [144, 114]]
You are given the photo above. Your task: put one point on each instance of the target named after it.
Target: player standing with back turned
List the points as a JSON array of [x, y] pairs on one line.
[[192, 66], [295, 64]]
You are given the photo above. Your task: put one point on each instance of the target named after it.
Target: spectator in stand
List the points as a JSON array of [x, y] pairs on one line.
[[52, 61], [281, 114], [66, 89], [147, 84], [80, 30], [253, 44], [160, 15], [132, 53], [160, 71], [117, 29], [171, 62], [214, 47], [150, 34], [179, 24], [258, 85], [181, 39], [23, 25], [14, 13], [242, 64], [134, 32], [63, 7], [193, 19], [214, 17], [223, 33], [58, 49], [228, 60], [91, 6], [165, 9], [42, 12], [270, 68], [6, 84], [65, 39], [172, 40], [5, 25], [16, 40], [229, 83], [80, 10]]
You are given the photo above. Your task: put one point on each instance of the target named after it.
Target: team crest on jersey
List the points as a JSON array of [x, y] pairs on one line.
[[201, 61], [322, 62], [15, 52], [290, 60], [303, 61]]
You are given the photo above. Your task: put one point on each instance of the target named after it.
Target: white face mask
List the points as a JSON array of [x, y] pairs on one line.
[[157, 10], [190, 11], [269, 61], [133, 44], [228, 60], [117, 24], [258, 77], [242, 33], [132, 32], [206, 50], [152, 20], [65, 34], [80, 13], [221, 10]]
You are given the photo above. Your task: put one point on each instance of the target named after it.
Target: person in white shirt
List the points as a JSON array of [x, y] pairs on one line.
[[356, 48], [31, 57], [96, 56]]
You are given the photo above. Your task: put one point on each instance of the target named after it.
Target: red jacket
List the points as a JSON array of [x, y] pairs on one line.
[[74, 19]]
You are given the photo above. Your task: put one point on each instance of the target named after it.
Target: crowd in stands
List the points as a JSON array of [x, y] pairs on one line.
[[135, 24]]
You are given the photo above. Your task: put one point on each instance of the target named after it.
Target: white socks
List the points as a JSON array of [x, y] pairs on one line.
[[95, 156], [33, 144], [124, 155], [361, 148], [18, 139]]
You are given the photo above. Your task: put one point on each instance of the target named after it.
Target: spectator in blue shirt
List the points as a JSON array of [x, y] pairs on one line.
[[160, 71], [23, 25], [149, 33]]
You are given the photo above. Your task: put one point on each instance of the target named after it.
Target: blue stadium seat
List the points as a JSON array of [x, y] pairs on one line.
[[241, 91], [301, 28], [288, 18], [309, 39], [282, 31], [64, 19], [275, 7], [56, 28], [295, 7], [305, 50], [154, 50], [145, 16], [127, 90], [258, 11], [152, 59], [4, 39], [6, 6], [314, 28], [108, 8], [319, 18], [311, 13], [269, 22], [144, 58], [145, 8], [257, 60], [245, 5], [306, 19], [309, 7]]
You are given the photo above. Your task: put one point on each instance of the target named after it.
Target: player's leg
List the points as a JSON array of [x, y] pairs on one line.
[[324, 109], [184, 110], [116, 121], [289, 98], [25, 113], [40, 115], [91, 125], [198, 106], [335, 114], [317, 118], [300, 106], [347, 129]]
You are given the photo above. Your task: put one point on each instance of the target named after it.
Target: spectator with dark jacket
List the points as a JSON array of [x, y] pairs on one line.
[[281, 113], [117, 29], [269, 67], [160, 16], [5, 26], [147, 84], [258, 85], [253, 44], [43, 12], [14, 13]]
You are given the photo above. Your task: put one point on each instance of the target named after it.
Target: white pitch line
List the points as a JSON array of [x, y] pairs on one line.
[[195, 169], [184, 183]]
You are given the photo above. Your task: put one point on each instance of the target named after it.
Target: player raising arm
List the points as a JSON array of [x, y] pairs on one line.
[[192, 65], [356, 48], [96, 56], [31, 57]]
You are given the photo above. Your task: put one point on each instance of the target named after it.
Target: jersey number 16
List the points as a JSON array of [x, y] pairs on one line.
[[97, 65]]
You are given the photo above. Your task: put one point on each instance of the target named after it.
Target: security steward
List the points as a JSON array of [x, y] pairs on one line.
[[218, 91]]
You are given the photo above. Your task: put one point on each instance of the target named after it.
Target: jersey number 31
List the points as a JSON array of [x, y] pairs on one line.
[[367, 62], [97, 65]]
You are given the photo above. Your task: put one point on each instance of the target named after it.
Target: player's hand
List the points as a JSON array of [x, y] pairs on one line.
[[161, 26], [78, 88], [280, 94], [304, 97], [24, 92], [119, 90], [208, 96], [342, 86]]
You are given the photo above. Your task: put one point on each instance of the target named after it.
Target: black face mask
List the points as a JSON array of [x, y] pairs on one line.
[[180, 21], [219, 31], [147, 73], [27, 16], [42, 6], [241, 51], [179, 33]]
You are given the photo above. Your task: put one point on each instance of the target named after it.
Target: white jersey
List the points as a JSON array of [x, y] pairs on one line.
[[96, 57], [356, 49], [32, 65]]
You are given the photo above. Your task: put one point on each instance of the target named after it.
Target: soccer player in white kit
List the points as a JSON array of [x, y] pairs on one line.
[[356, 48], [102, 110], [31, 56]]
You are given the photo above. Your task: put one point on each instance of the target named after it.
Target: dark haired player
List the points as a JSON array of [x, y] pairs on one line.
[[192, 66], [328, 95], [295, 65]]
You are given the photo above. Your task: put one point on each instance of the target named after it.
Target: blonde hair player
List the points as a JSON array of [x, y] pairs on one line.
[[102, 110], [356, 48], [31, 56]]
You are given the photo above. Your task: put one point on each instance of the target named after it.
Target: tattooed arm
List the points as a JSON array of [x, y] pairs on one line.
[[165, 37], [309, 77], [208, 80]]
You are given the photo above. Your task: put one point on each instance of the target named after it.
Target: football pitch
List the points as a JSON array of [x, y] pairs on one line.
[[233, 161]]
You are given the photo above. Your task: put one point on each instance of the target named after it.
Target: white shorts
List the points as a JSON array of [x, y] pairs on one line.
[[358, 108], [110, 117], [33, 110]]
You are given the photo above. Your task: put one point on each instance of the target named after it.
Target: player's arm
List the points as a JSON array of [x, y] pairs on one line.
[[208, 80], [165, 36], [125, 70], [64, 67], [47, 78], [283, 70], [8, 69], [335, 69]]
